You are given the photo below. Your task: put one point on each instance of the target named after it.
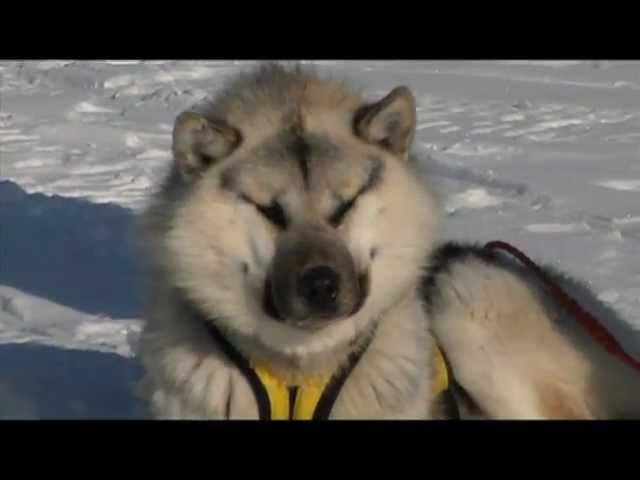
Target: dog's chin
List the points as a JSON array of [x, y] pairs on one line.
[[270, 310], [311, 323]]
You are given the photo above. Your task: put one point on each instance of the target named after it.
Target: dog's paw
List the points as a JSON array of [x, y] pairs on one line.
[[185, 383], [171, 405]]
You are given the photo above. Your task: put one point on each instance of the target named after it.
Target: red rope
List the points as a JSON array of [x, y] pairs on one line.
[[591, 323]]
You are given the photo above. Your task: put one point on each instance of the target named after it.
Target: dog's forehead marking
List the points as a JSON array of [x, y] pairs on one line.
[[300, 149], [327, 171], [309, 151]]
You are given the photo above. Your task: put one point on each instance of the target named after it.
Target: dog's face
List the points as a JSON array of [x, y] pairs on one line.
[[300, 235]]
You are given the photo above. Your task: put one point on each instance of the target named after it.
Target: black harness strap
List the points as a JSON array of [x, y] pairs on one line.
[[293, 394], [328, 397], [333, 388], [259, 391], [451, 405]]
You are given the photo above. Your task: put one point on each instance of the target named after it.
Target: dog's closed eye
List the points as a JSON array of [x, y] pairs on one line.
[[336, 218], [272, 212], [339, 213]]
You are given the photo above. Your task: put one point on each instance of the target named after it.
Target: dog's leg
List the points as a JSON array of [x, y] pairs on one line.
[[503, 348]]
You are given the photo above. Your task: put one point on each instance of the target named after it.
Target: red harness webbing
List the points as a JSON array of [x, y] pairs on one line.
[[590, 322]]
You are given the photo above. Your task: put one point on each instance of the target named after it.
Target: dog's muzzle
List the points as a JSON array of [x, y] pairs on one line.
[[312, 281], [319, 292]]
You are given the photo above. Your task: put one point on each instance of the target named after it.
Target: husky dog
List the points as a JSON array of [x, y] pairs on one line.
[[294, 273], [514, 352], [293, 230]]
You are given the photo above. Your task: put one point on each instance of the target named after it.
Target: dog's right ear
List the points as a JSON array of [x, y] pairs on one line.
[[199, 142]]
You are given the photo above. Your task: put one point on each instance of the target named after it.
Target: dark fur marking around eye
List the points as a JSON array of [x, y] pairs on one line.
[[273, 212], [374, 177], [338, 215]]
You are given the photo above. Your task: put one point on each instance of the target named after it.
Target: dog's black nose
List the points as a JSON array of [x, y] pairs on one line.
[[319, 287]]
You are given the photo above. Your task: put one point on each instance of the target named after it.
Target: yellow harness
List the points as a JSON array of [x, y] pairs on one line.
[[282, 398], [298, 401]]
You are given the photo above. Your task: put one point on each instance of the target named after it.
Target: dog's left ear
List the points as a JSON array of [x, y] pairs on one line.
[[390, 122]]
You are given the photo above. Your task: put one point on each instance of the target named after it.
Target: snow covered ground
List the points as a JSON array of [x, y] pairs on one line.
[[542, 154]]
